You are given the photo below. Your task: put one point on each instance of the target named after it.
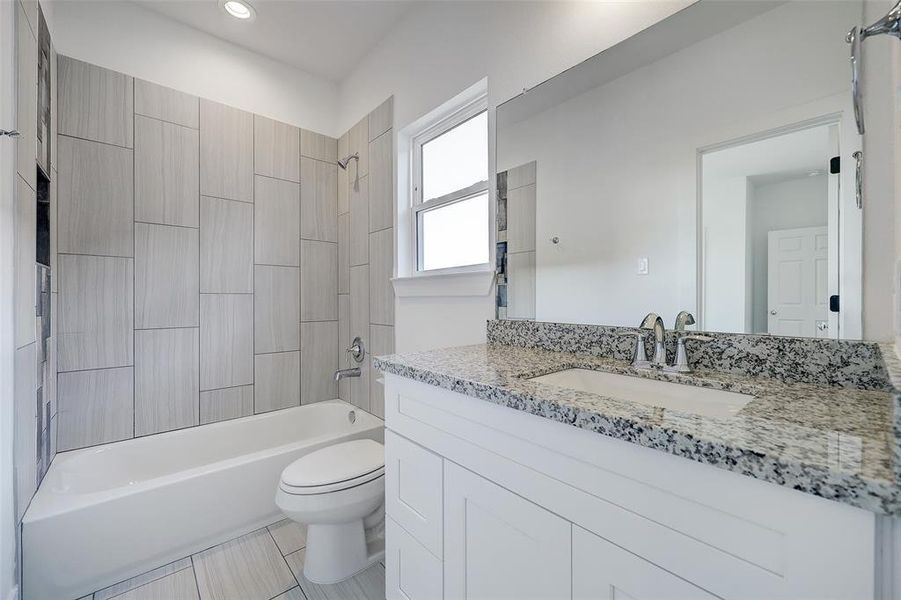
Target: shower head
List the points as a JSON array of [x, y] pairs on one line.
[[346, 160]]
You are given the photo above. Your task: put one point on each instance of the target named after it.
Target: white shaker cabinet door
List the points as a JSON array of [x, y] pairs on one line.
[[604, 571], [498, 545]]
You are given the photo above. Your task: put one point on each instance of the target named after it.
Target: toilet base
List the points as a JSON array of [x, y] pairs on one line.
[[336, 552]]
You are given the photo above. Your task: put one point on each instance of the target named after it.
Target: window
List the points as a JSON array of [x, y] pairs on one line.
[[450, 191]]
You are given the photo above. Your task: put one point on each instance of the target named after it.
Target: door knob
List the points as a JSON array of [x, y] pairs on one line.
[[772, 312]]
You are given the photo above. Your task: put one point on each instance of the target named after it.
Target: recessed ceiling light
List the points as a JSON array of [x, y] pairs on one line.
[[238, 9]]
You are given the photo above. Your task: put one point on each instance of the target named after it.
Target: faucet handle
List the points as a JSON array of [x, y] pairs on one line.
[[639, 354], [680, 364], [357, 350]]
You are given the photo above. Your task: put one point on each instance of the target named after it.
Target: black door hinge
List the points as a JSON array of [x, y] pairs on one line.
[[835, 165], [834, 303]]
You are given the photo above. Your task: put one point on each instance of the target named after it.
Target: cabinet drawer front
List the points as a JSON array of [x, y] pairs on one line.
[[499, 545], [411, 571], [413, 490], [603, 571]]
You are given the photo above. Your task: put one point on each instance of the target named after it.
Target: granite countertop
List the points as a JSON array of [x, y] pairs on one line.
[[835, 442]]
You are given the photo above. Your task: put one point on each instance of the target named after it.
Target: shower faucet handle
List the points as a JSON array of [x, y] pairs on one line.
[[357, 350]]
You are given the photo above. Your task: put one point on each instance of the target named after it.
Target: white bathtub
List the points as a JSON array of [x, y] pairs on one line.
[[108, 513]]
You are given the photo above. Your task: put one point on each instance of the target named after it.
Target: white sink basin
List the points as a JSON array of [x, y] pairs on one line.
[[651, 392]]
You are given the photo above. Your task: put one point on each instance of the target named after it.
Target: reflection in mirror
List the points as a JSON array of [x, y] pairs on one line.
[[689, 168]]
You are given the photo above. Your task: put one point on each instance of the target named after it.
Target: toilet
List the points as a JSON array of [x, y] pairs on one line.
[[338, 492]]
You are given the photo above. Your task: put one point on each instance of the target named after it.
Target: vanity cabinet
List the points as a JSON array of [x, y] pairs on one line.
[[485, 501], [499, 545]]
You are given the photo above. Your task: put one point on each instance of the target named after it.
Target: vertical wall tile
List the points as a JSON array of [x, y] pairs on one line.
[[95, 407], [318, 200], [167, 379], [318, 146], [166, 276], [359, 301], [358, 142], [343, 179], [359, 223], [226, 152], [276, 309], [381, 119], [381, 270], [226, 246], [344, 340], [96, 198], [227, 403], [276, 149], [26, 232], [166, 104], [277, 218], [381, 343], [359, 326], [319, 357], [226, 340], [25, 420], [276, 381], [95, 103], [343, 254], [318, 281], [96, 320], [381, 183], [26, 97], [521, 285], [521, 219], [167, 177]]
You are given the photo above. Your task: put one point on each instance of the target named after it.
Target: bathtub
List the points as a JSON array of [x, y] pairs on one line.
[[108, 513]]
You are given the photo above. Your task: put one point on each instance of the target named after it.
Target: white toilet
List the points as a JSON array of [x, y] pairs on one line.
[[338, 492]]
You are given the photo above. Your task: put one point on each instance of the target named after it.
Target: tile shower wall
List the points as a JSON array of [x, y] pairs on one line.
[[516, 208], [366, 252], [34, 379], [198, 265]]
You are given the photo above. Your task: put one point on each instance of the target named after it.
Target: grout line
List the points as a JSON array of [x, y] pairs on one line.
[[274, 178], [197, 227], [196, 583], [131, 366], [134, 276], [182, 125], [202, 195], [94, 255], [290, 570], [75, 137], [165, 328]]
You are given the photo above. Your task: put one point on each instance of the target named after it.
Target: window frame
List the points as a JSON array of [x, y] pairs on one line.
[[461, 115]]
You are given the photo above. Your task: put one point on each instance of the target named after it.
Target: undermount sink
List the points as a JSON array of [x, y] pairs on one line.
[[651, 392]]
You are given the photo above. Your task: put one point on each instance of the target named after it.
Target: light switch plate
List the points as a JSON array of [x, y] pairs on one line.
[[643, 265]]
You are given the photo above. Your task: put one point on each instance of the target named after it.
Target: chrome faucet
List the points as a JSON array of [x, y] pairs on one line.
[[345, 373], [682, 319], [653, 322], [357, 352]]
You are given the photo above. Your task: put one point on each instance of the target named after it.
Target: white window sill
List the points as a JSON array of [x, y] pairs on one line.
[[468, 283]]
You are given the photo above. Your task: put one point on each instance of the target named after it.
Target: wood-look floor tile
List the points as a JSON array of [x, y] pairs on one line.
[[178, 586], [368, 585], [136, 582], [290, 536], [247, 568]]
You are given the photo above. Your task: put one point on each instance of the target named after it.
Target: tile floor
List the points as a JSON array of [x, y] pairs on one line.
[[266, 564]]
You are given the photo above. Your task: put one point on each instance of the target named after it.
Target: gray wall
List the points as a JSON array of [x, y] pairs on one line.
[[198, 266], [366, 252]]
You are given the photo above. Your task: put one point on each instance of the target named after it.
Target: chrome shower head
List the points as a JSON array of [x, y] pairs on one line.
[[346, 160]]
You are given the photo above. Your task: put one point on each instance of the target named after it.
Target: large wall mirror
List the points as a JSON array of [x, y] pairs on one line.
[[704, 164]]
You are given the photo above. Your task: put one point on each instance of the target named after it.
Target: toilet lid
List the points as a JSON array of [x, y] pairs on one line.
[[344, 462]]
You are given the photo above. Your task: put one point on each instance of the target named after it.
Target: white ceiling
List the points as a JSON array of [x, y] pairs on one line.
[[326, 38]]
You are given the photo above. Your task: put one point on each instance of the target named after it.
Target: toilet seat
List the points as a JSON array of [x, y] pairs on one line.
[[334, 468]]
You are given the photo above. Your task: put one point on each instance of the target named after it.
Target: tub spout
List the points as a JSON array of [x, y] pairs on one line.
[[345, 373]]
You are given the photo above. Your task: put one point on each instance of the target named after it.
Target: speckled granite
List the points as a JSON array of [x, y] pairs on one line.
[[830, 441], [840, 363]]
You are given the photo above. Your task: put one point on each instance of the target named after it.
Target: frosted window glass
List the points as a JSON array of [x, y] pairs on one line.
[[455, 235], [456, 159]]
